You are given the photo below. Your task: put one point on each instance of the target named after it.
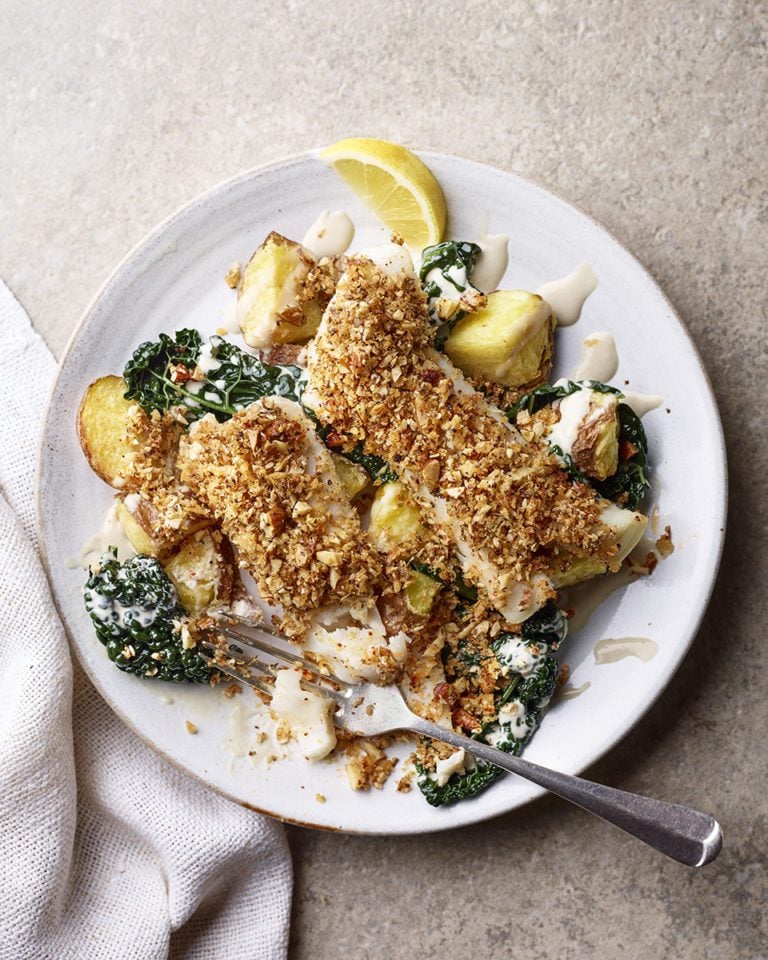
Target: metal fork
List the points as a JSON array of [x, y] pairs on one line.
[[365, 709]]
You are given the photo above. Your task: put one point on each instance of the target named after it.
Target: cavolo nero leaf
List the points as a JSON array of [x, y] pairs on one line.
[[547, 393], [158, 377], [547, 627], [460, 786], [376, 468], [137, 616], [453, 261], [146, 373]]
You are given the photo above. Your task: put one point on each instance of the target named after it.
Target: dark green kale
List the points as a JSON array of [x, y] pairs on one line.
[[548, 625], [375, 467], [455, 259], [136, 613], [547, 628], [460, 786], [630, 483], [469, 656], [158, 376], [534, 691]]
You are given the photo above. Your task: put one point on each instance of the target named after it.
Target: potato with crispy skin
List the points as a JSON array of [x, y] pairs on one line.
[[102, 426], [595, 449], [140, 539], [270, 307]]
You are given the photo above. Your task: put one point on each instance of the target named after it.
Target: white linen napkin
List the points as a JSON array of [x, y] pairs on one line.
[[106, 851]]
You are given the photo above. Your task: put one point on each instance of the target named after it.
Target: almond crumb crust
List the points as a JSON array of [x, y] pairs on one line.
[[375, 376], [168, 510], [266, 480], [368, 765]]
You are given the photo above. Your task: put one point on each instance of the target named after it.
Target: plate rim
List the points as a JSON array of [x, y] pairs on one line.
[[209, 195]]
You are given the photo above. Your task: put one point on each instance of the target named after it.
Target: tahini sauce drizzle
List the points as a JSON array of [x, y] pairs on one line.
[[110, 534], [491, 263], [599, 359], [618, 648], [570, 693], [330, 235], [568, 295], [642, 403]]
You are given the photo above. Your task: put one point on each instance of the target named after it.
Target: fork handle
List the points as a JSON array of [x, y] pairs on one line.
[[679, 832]]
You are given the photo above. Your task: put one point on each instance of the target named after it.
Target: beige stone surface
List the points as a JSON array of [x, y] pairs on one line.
[[649, 115]]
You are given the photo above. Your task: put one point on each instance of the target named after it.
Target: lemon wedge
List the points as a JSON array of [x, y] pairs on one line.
[[390, 180]]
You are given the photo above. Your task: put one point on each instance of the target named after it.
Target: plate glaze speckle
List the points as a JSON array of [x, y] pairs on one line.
[[174, 278]]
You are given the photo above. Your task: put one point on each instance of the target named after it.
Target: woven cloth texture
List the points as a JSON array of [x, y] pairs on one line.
[[106, 851]]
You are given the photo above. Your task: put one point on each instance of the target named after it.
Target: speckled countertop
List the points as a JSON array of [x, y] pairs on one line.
[[651, 116]]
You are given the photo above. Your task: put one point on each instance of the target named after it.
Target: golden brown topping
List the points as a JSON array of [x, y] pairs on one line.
[[272, 486], [505, 503]]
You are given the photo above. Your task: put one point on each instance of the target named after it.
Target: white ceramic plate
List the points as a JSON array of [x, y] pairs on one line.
[[174, 278]]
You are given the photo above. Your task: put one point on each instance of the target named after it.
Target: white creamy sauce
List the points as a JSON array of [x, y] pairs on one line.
[[519, 657], [513, 721], [445, 768], [642, 403], [392, 258], [451, 283], [307, 714], [207, 361], [108, 610], [330, 235], [571, 692], [251, 732], [132, 502], [618, 648], [491, 263], [229, 321], [574, 414], [568, 295], [109, 534], [599, 359]]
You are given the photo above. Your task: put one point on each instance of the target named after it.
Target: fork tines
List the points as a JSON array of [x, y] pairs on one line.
[[246, 658]]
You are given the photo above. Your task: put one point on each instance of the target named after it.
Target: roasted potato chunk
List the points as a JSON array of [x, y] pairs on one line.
[[138, 537], [509, 341], [203, 571], [270, 308], [152, 530], [395, 518], [628, 527], [102, 424], [588, 430], [353, 478], [420, 593]]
